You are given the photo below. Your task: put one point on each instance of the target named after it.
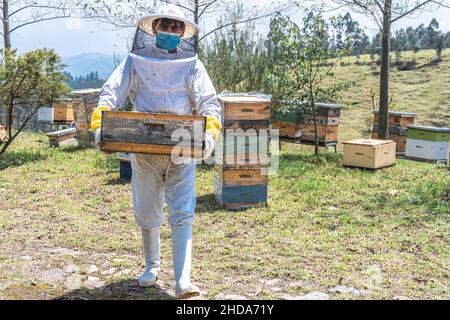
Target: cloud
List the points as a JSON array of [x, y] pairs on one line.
[[73, 23]]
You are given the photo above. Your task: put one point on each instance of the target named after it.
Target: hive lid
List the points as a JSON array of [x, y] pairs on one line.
[[428, 128], [399, 113], [328, 105], [86, 91], [61, 132], [368, 142], [244, 98]]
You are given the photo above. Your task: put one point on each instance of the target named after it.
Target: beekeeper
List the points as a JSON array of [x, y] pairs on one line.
[[162, 74]]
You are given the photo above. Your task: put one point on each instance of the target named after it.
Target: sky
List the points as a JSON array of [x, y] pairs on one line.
[[72, 37]]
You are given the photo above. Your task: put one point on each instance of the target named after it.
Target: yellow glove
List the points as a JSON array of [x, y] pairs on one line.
[[96, 121], [213, 127]]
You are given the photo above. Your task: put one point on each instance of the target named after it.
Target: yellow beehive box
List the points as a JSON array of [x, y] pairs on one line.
[[369, 153]]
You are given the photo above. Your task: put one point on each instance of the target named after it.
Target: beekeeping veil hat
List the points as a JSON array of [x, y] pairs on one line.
[[145, 37], [170, 11]]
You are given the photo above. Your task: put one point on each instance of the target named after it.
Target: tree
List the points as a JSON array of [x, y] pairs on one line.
[[375, 46], [306, 62], [447, 40], [431, 35], [399, 43], [123, 13], [27, 82], [17, 14], [440, 42], [89, 81], [384, 14], [235, 55]]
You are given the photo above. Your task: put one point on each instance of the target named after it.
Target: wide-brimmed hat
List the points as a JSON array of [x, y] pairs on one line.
[[170, 11]]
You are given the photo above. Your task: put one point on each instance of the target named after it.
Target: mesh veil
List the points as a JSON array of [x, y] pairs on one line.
[[144, 40]]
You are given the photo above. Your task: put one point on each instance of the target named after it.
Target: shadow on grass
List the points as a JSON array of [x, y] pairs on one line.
[[71, 149], [121, 290], [333, 160], [323, 159], [18, 158], [118, 181], [207, 204]]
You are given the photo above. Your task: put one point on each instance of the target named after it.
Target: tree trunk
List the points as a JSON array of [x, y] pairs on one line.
[[6, 34], [383, 132], [196, 19]]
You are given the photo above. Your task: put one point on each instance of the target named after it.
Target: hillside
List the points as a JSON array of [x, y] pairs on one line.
[[424, 90], [85, 63]]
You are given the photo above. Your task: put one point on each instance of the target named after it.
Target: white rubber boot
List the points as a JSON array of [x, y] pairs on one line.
[[182, 249], [151, 243]]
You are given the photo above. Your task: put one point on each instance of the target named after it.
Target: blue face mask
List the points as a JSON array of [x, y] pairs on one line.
[[168, 41]]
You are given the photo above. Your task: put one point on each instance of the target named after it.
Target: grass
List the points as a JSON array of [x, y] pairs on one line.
[[383, 232]]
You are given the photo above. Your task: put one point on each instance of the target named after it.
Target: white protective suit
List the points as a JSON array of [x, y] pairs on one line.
[[161, 82]]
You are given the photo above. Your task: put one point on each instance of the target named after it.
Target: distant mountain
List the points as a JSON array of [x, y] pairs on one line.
[[85, 63]]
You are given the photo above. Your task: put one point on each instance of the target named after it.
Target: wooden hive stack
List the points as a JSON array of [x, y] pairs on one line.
[[428, 143], [84, 102], [241, 177], [327, 120], [398, 122]]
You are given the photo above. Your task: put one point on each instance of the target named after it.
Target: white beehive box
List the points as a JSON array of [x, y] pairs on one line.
[[45, 114], [427, 150]]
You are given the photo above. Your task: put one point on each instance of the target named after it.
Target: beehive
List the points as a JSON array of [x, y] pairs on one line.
[[245, 108], [427, 143], [62, 137], [397, 118], [400, 141], [299, 124], [141, 132], [63, 111], [369, 153], [327, 121], [398, 122], [60, 111], [325, 134], [289, 123], [328, 110], [241, 178]]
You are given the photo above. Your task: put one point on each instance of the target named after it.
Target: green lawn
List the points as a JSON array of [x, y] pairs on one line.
[[384, 233]]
